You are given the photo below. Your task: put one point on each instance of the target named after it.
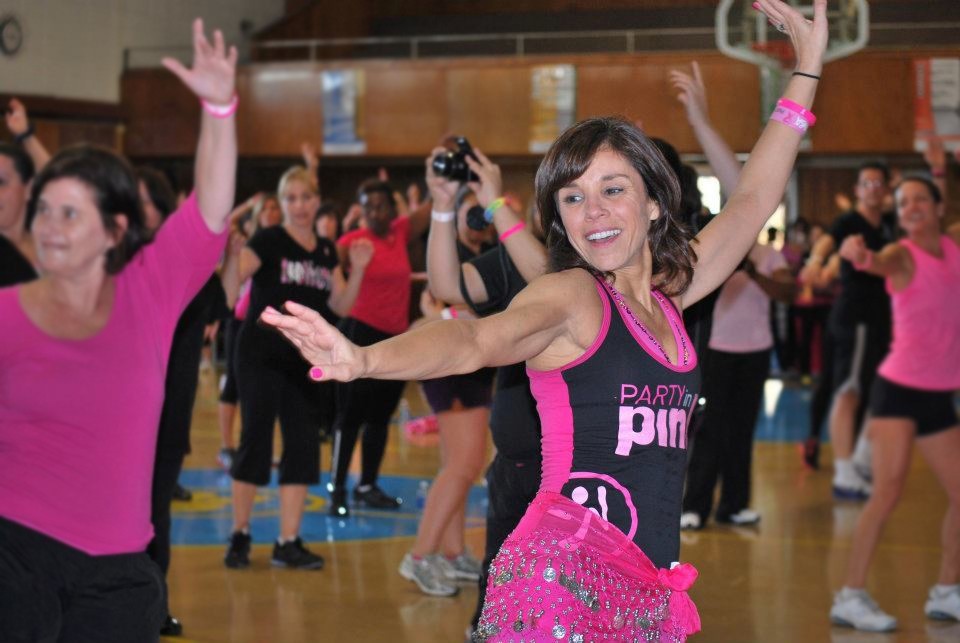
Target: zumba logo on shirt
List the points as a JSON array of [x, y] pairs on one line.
[[305, 273], [654, 413]]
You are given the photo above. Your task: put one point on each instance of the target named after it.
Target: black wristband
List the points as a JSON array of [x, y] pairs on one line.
[[806, 75], [20, 138]]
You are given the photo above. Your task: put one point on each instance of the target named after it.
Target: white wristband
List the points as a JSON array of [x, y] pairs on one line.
[[448, 313], [442, 217]]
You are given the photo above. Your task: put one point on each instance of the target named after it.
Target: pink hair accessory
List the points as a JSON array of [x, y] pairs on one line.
[[221, 111], [805, 113]]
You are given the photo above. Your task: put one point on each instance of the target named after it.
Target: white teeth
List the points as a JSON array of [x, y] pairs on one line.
[[606, 234]]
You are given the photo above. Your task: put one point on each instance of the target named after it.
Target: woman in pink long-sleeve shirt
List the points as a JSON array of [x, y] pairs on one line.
[[83, 356]]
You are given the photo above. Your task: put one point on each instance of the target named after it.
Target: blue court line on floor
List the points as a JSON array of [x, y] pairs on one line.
[[207, 518]]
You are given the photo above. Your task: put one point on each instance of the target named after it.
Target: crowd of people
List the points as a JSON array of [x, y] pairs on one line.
[[615, 341]]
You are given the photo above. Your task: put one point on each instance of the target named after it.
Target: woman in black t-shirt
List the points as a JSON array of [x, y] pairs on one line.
[[285, 262]]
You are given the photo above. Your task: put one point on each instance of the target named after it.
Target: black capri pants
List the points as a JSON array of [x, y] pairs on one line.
[[269, 391], [367, 403], [229, 393]]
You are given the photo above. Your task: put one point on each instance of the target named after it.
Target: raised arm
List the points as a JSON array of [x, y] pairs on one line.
[[526, 251], [693, 95], [538, 317], [345, 290], [211, 79], [893, 261], [19, 125], [728, 238], [443, 262]]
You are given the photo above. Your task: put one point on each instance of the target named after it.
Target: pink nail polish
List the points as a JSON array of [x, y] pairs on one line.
[[756, 5], [316, 373]]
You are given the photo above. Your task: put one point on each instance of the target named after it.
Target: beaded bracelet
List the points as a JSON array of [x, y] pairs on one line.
[[221, 111], [495, 205]]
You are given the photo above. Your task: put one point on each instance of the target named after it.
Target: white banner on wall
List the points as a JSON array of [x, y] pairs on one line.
[[342, 114], [937, 101], [553, 91]]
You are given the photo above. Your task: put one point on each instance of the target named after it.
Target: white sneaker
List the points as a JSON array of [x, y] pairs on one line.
[[851, 488], [943, 605], [690, 520], [464, 567], [427, 574], [743, 517], [854, 608]]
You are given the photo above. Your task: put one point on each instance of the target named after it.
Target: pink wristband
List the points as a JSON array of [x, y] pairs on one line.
[[221, 111], [805, 113], [865, 265], [512, 231], [790, 118]]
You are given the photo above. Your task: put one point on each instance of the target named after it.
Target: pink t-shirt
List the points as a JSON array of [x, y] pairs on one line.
[[79, 418], [741, 317], [384, 298], [925, 351]]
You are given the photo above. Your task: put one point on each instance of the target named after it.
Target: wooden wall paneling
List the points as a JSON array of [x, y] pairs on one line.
[[163, 116], [280, 107], [639, 89], [405, 110], [491, 107], [817, 188]]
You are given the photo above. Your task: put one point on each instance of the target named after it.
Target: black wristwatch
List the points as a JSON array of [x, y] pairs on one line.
[[27, 133]]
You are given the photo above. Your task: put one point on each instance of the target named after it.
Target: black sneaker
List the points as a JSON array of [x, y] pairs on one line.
[[238, 553], [375, 498], [171, 627], [294, 555], [338, 504], [181, 493]]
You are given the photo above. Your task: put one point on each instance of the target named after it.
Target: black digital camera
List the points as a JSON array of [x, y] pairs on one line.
[[452, 165]]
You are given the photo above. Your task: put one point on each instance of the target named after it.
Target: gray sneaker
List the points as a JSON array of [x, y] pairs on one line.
[[855, 608], [462, 568], [428, 576]]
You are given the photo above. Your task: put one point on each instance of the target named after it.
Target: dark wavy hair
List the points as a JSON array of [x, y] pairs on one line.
[[22, 162], [114, 187], [159, 188], [570, 156], [932, 188]]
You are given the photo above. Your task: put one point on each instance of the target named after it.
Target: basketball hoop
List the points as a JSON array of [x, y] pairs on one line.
[[780, 50]]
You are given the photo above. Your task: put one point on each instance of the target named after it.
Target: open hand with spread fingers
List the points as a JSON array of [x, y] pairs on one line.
[[332, 356], [212, 75], [809, 37]]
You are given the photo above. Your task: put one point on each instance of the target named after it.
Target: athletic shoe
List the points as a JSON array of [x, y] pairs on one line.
[[238, 552], [811, 453], [171, 627], [225, 457], [743, 517], [427, 574], [855, 489], [295, 556], [854, 608], [464, 567], [181, 493], [338, 504], [691, 520], [943, 605], [375, 498]]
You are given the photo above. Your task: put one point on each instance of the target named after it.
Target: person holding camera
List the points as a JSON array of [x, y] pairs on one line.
[[381, 310]]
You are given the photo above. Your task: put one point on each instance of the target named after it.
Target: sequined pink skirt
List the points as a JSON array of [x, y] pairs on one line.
[[565, 574]]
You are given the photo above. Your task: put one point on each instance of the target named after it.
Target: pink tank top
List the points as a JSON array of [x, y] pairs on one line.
[[925, 352]]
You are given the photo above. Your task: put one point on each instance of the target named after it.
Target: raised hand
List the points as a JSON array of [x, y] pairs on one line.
[[443, 191], [490, 184], [212, 75], [332, 356], [854, 249], [311, 157], [935, 155], [809, 37], [16, 116], [692, 92], [360, 253]]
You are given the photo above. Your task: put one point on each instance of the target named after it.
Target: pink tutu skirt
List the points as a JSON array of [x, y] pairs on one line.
[[565, 574]]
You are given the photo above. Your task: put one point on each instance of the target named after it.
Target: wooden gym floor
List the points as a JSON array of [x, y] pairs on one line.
[[770, 583]]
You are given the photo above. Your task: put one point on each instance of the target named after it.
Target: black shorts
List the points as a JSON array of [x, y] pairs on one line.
[[50, 592], [473, 390], [932, 411]]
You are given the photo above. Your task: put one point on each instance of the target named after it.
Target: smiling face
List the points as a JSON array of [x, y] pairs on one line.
[[69, 231], [917, 210], [606, 212]]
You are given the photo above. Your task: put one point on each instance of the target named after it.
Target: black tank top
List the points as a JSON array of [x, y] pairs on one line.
[[615, 428]]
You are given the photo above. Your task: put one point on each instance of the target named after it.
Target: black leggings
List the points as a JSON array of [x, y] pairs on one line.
[[367, 403], [266, 393]]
